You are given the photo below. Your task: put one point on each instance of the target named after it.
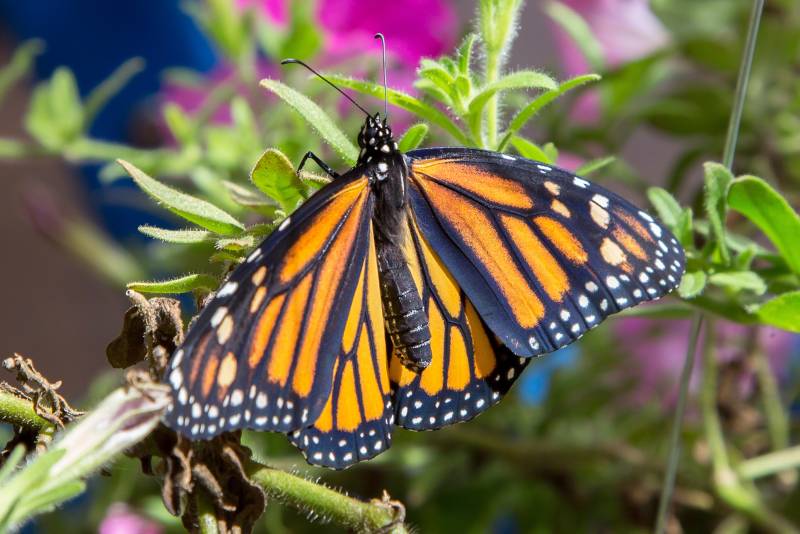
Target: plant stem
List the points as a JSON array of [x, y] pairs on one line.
[[714, 433], [770, 463], [20, 412], [205, 515], [741, 85], [677, 424], [306, 495]]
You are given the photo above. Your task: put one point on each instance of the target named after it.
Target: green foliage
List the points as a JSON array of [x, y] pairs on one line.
[[740, 234]]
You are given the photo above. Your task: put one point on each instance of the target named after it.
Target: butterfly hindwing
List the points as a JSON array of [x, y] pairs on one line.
[[356, 422], [543, 254], [470, 370], [261, 353]]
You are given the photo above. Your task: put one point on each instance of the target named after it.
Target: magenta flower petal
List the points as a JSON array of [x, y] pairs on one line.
[[626, 30], [122, 520]]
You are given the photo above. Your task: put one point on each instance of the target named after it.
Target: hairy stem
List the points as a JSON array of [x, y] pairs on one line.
[[20, 412], [305, 495]]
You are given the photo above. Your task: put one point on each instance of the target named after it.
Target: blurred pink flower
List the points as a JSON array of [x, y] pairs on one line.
[[413, 29], [657, 348], [626, 30], [122, 520]]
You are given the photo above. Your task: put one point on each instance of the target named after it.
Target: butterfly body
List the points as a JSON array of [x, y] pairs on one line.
[[411, 291]]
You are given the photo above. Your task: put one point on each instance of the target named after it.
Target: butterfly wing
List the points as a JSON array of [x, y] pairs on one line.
[[544, 255], [261, 354], [470, 370], [355, 423]]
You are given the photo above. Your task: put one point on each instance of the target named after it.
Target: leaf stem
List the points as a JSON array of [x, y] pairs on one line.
[[305, 495], [20, 412], [675, 435], [741, 85]]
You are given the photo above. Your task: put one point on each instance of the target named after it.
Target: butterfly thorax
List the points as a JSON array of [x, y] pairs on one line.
[[404, 313]]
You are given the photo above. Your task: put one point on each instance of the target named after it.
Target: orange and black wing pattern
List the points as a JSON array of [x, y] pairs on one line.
[[263, 353], [356, 422], [469, 371], [542, 254]]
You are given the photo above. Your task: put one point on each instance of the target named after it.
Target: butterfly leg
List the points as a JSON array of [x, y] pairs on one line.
[[324, 166]]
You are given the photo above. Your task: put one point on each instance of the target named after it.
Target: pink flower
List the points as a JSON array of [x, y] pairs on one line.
[[626, 30], [657, 349], [122, 520], [413, 29]]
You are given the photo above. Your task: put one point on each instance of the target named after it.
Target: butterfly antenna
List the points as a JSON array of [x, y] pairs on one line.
[[385, 83], [323, 78]]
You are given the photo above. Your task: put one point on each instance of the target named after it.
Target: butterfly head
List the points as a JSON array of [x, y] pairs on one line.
[[376, 143]]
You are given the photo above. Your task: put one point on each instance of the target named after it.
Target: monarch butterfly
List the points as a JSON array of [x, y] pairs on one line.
[[412, 291]]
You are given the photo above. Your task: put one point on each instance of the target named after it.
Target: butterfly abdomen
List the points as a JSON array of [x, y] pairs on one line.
[[404, 314]]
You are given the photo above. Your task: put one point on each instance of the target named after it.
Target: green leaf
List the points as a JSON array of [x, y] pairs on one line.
[[577, 28], [20, 64], [275, 176], [180, 125], [529, 111], [413, 137], [464, 54], [251, 199], [190, 235], [182, 284], [316, 117], [692, 284], [402, 100], [595, 165], [190, 208], [530, 150], [111, 86], [55, 115], [236, 244], [717, 181], [739, 281], [668, 209], [782, 312], [525, 79], [766, 208]]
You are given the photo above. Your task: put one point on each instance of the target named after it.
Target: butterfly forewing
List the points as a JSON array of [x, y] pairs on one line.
[[543, 254], [356, 422], [262, 352]]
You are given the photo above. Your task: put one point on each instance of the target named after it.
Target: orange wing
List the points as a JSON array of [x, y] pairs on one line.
[[261, 354], [355, 423], [544, 255], [470, 370]]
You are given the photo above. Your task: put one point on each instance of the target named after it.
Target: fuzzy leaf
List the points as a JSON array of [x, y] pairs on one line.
[[55, 115], [717, 181], [190, 235], [275, 176], [251, 199], [409, 103], [413, 137], [692, 284], [182, 284], [316, 117], [766, 208], [668, 209], [739, 281], [526, 79], [190, 208], [594, 165], [530, 150], [529, 111], [782, 312]]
